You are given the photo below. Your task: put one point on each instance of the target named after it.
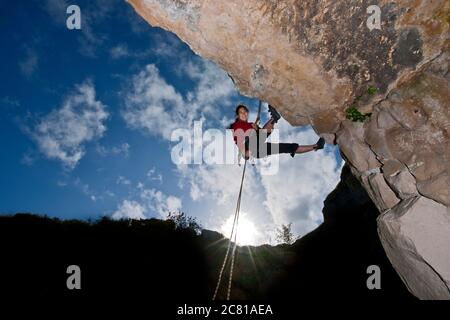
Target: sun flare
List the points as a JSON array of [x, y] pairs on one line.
[[247, 232]]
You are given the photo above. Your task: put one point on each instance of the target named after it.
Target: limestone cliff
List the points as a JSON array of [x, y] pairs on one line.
[[313, 59]]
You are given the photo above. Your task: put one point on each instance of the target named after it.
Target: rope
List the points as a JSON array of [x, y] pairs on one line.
[[259, 113], [233, 255], [232, 241], [233, 235]]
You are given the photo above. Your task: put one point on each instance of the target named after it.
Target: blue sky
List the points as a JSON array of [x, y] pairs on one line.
[[86, 119]]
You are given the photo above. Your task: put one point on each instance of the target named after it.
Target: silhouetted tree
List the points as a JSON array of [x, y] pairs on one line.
[[284, 234], [183, 221]]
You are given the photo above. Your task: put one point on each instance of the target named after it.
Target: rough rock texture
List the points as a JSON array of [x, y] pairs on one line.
[[313, 59], [415, 241]]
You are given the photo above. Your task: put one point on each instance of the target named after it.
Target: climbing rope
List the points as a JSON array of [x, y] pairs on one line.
[[258, 115], [233, 235], [232, 242]]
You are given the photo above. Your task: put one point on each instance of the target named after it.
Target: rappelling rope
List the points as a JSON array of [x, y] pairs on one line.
[[259, 113], [233, 235], [233, 254], [232, 241]]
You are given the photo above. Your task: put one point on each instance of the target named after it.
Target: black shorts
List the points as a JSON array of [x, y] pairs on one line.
[[259, 148]]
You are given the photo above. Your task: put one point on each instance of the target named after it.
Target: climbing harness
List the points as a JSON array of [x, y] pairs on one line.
[[232, 243], [258, 118]]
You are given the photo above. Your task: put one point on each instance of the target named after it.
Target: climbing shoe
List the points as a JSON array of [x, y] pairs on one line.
[[320, 144], [274, 114], [294, 149]]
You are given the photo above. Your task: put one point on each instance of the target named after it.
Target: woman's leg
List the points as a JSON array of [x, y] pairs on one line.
[[317, 146], [268, 148], [306, 148], [269, 126]]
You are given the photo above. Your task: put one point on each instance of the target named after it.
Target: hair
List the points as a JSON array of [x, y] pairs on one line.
[[240, 107]]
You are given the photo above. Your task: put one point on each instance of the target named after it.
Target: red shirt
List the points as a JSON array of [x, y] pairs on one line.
[[241, 129]]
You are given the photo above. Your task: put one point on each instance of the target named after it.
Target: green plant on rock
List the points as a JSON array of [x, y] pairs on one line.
[[372, 90], [355, 115]]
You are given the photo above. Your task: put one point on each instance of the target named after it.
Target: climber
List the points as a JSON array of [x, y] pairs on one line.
[[251, 139]]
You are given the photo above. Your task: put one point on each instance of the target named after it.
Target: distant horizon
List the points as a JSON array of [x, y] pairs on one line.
[[99, 219]]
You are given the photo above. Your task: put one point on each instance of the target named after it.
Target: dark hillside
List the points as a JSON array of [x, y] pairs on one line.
[[156, 260]]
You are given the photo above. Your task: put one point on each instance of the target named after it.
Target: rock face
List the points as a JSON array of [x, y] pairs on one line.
[[415, 240], [313, 59]]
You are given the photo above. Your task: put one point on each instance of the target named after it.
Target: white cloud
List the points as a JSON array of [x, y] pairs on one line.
[[123, 180], [137, 24], [28, 158], [220, 182], [156, 107], [151, 202], [160, 203], [153, 105], [57, 10], [213, 86], [119, 51], [62, 133], [295, 194], [10, 102], [93, 15], [130, 209], [104, 151], [90, 42], [167, 46], [153, 175], [123, 148], [61, 183], [109, 193], [86, 189], [29, 64]]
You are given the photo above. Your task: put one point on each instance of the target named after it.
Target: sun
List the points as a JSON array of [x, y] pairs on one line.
[[247, 232]]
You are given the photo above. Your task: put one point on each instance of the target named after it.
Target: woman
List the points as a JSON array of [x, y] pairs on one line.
[[251, 140]]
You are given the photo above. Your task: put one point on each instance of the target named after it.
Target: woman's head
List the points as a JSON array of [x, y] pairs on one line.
[[242, 112]]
